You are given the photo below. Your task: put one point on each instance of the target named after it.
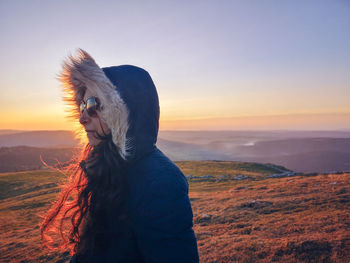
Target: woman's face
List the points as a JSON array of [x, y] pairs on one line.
[[93, 125]]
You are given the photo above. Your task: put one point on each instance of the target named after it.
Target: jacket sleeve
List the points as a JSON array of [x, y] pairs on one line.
[[162, 222], [73, 259]]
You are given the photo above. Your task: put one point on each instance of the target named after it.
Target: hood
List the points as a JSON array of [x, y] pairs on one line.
[[129, 100]]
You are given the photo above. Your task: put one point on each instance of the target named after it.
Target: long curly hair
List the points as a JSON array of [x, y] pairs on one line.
[[93, 194]]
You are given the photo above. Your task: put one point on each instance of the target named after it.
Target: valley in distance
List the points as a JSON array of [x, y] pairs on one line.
[[257, 196]]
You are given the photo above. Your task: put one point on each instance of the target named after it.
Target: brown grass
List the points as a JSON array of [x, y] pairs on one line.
[[298, 219], [23, 196], [261, 219]]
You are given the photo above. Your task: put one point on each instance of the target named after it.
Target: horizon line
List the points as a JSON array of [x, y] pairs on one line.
[[203, 130]]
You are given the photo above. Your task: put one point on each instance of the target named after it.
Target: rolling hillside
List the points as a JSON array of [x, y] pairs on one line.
[[301, 154], [51, 139], [24, 158]]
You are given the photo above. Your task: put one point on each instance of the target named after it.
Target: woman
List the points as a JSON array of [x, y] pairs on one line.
[[125, 200]]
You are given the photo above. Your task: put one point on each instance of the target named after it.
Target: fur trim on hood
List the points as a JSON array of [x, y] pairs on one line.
[[129, 101]]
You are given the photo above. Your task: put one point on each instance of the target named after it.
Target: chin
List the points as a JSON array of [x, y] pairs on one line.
[[94, 143], [92, 140]]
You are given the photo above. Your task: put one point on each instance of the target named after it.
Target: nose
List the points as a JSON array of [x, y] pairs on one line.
[[84, 118]]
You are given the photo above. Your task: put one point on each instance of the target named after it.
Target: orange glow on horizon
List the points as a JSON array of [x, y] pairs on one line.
[[49, 121], [289, 121]]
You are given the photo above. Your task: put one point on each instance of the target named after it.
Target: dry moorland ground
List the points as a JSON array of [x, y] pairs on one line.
[[296, 219], [302, 218]]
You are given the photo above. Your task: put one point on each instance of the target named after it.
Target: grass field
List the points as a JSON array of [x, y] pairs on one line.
[[255, 218]]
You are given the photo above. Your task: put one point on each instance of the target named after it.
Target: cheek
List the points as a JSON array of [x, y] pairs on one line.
[[105, 128], [102, 127]]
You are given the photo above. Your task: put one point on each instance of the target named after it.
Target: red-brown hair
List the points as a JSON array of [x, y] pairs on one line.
[[94, 192]]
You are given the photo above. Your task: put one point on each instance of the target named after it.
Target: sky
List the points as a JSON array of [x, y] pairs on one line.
[[217, 65]]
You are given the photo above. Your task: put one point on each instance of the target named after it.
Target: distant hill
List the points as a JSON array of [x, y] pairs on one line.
[[309, 162], [24, 158], [38, 139], [301, 154], [2, 132], [296, 146], [178, 151]]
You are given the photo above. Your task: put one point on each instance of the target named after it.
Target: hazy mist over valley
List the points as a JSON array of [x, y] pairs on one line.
[[301, 151]]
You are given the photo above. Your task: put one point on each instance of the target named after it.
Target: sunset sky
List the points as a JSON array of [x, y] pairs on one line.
[[217, 65]]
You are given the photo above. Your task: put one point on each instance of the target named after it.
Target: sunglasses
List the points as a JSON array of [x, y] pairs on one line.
[[92, 105]]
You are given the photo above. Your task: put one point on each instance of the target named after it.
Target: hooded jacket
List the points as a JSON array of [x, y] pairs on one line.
[[159, 225]]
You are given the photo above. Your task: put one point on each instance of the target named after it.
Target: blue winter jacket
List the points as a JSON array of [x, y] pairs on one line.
[[159, 226]]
